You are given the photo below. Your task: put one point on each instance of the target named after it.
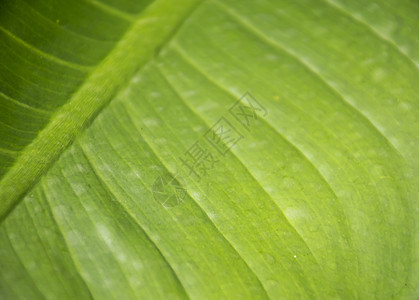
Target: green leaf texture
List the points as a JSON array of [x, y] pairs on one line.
[[103, 101]]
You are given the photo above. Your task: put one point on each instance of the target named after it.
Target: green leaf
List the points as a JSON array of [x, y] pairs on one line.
[[209, 149]]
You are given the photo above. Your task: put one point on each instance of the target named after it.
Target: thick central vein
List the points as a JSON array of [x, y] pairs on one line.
[[152, 29]]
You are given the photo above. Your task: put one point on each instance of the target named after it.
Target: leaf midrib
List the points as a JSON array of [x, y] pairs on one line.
[[135, 48]]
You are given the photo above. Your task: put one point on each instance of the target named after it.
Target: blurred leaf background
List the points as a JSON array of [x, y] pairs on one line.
[[102, 103]]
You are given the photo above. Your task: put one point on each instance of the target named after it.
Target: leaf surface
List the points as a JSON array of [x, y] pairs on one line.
[[309, 193]]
